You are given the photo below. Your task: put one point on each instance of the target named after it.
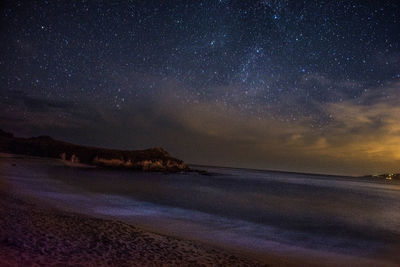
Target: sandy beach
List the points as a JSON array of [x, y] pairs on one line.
[[35, 235], [57, 225]]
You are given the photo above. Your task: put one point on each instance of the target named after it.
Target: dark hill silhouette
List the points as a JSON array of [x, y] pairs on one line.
[[153, 159]]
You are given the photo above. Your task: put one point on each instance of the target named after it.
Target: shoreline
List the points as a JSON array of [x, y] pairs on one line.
[[188, 234], [17, 248], [35, 233]]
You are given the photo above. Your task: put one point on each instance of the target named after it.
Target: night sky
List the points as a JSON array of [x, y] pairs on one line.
[[287, 85]]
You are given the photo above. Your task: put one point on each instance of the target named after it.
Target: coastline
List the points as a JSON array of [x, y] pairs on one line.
[[34, 233], [154, 159], [18, 207]]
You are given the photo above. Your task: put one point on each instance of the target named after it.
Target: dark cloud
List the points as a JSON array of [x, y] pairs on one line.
[[15, 98]]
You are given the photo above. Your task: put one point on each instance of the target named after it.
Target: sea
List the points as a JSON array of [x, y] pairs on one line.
[[255, 210]]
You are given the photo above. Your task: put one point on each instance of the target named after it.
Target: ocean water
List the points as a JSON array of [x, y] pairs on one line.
[[254, 209]]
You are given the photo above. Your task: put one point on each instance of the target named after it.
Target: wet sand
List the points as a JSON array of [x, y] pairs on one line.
[[31, 234], [35, 231]]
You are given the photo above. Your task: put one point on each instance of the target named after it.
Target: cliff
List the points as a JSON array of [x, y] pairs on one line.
[[153, 159]]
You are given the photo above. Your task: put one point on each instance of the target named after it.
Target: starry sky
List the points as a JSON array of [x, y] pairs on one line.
[[311, 86]]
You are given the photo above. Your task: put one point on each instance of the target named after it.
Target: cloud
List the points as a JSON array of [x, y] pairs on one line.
[[362, 136], [359, 136], [33, 115], [367, 130], [39, 104]]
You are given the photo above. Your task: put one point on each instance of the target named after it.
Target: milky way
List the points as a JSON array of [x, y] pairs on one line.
[[294, 85]]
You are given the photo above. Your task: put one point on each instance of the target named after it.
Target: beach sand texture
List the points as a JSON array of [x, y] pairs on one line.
[[35, 235]]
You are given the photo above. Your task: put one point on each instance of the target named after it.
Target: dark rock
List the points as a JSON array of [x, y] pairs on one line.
[[153, 159], [6, 134]]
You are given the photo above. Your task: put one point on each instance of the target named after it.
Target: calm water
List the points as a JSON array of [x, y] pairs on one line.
[[334, 214]]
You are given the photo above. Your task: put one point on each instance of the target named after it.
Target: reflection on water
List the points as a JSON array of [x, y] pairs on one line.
[[336, 214]]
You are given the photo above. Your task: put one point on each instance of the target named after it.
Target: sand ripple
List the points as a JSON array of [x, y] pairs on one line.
[[35, 236]]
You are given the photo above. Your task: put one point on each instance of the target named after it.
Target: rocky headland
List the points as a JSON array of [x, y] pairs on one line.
[[153, 159]]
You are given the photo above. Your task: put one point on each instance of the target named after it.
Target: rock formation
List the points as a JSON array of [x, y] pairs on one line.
[[154, 159]]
